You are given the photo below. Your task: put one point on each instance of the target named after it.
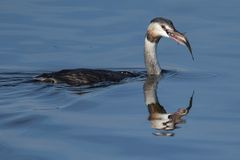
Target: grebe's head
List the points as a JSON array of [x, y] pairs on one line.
[[162, 27]]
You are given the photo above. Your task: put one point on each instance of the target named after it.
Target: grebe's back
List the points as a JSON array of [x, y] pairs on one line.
[[84, 76]]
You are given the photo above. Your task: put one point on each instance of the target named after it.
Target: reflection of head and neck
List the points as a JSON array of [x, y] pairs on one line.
[[160, 120]]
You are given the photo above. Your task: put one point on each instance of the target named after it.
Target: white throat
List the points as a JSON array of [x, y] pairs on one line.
[[150, 57]]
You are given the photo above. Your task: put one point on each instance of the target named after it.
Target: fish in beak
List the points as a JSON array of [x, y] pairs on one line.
[[181, 39]]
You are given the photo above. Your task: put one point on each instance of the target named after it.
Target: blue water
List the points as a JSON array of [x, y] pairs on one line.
[[44, 121]]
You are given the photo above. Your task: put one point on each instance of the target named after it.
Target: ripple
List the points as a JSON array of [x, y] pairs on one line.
[[191, 75], [19, 93]]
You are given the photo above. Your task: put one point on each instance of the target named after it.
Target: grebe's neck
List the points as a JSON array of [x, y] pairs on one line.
[[150, 57]]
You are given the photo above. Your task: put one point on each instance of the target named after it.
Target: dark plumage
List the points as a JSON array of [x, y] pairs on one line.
[[84, 76], [163, 20]]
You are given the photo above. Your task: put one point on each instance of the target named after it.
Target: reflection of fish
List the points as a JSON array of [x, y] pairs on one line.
[[158, 28]]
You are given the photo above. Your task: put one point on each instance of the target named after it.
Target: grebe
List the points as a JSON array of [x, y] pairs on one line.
[[158, 27]]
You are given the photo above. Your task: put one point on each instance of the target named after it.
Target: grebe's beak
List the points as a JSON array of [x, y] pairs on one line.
[[181, 39]]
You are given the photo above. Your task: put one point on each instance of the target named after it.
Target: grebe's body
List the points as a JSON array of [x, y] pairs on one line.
[[77, 77], [158, 28]]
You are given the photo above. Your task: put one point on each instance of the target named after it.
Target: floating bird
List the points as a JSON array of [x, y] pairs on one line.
[[159, 27]]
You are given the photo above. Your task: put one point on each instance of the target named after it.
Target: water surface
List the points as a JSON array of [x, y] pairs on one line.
[[44, 121]]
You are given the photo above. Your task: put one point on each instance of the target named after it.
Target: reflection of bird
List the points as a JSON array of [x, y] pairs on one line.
[[160, 119], [158, 27]]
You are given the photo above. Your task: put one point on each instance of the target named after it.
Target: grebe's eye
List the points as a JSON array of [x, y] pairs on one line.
[[163, 27]]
